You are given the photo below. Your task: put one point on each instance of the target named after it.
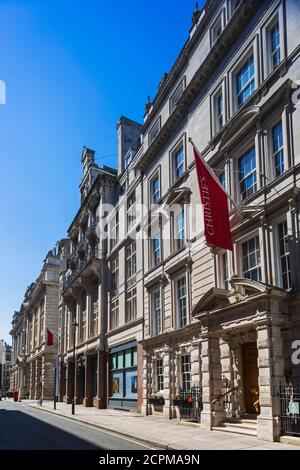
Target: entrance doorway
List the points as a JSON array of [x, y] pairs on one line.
[[251, 389]]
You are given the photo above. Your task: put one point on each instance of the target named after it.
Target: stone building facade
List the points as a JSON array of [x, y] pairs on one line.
[[222, 322], [5, 363], [83, 292], [34, 361]]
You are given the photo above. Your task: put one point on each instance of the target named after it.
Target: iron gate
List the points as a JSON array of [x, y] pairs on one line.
[[190, 404], [289, 393]]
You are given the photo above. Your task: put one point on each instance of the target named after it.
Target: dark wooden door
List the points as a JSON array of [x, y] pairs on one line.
[[251, 390]]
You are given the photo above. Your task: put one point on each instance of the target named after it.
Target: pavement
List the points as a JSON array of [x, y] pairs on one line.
[[156, 431]]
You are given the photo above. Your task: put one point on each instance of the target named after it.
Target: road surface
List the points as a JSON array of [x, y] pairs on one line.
[[25, 428]]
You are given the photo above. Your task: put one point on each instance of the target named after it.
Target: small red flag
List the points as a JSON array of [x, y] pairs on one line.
[[215, 206], [49, 338]]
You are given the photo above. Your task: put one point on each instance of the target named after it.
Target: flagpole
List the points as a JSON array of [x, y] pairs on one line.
[[210, 169]]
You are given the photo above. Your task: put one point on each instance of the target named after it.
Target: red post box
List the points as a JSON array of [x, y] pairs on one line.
[[16, 395]]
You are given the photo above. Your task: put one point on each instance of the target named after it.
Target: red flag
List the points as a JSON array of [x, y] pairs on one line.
[[215, 206], [49, 338]]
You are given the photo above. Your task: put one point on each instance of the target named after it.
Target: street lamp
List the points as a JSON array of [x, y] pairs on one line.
[[74, 326]]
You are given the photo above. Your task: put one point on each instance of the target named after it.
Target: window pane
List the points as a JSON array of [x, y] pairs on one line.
[[120, 360], [117, 384], [245, 82], [131, 384], [114, 361], [284, 265], [247, 174], [251, 259], [128, 358], [134, 357]]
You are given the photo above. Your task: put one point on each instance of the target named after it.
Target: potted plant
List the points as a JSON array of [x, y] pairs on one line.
[[157, 399]]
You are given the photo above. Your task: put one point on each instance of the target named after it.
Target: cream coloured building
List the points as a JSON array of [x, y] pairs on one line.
[[33, 360], [219, 326]]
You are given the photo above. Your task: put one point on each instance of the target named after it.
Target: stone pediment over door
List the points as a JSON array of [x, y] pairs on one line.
[[212, 299]]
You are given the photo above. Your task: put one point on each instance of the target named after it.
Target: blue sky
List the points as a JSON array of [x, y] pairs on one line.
[[71, 68]]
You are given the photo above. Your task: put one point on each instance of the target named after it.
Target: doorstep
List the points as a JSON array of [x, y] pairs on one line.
[[294, 440]]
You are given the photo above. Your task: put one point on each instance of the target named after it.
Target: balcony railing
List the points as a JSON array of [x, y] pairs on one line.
[[92, 227], [81, 266]]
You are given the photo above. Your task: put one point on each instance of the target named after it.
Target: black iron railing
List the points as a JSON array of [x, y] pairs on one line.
[[189, 403], [289, 394], [82, 264]]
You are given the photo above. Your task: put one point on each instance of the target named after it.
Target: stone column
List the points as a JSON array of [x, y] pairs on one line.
[[62, 383], [37, 387], [69, 382], [100, 401], [87, 401], [146, 409], [213, 413], [167, 388], [21, 382], [47, 376], [271, 371], [32, 380], [227, 373], [195, 364], [237, 378], [140, 377]]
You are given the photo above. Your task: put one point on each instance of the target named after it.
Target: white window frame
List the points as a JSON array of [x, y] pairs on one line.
[[239, 180], [185, 371], [180, 144], [240, 92], [179, 318], [114, 270], [114, 230], [156, 261], [281, 150], [157, 328], [255, 236], [275, 17], [223, 270], [159, 375], [131, 260], [276, 258], [251, 50], [286, 255], [131, 305], [131, 212], [178, 242], [114, 314], [153, 177], [216, 115]]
